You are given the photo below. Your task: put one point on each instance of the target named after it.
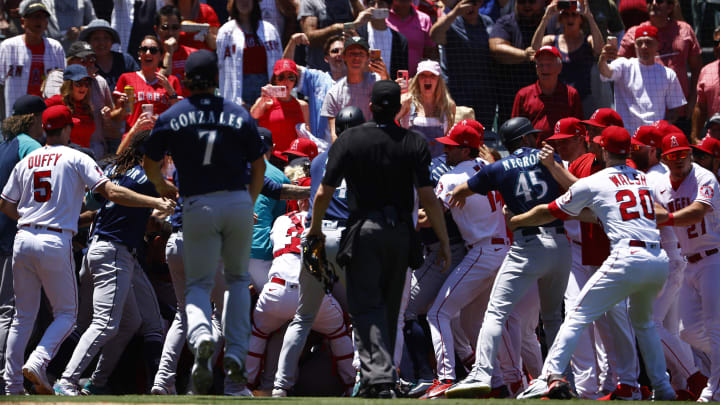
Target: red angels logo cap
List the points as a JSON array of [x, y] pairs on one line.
[[648, 135], [56, 117], [646, 31], [604, 117], [674, 142], [302, 147], [548, 49], [462, 135], [568, 128], [285, 65], [709, 145], [615, 139]]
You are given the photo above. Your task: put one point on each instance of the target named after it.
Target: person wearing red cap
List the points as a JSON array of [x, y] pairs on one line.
[[44, 194], [621, 200], [706, 154], [646, 153], [645, 91], [589, 249], [691, 196], [578, 49], [482, 227], [281, 112], [547, 100], [678, 49]]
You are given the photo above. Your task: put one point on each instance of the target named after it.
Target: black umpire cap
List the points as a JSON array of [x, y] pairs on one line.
[[201, 65], [516, 128], [28, 104]]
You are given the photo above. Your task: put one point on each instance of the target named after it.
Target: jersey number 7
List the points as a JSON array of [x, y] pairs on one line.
[[211, 135]]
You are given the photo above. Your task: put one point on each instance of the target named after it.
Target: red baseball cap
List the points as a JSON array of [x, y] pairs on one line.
[[674, 142], [285, 65], [462, 135], [648, 135], [548, 49], [615, 139], [666, 128], [604, 117], [709, 145], [302, 147], [478, 126], [568, 128], [646, 31], [57, 117]]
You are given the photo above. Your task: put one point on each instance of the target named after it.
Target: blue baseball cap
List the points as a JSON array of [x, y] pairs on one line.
[[201, 64], [75, 73]]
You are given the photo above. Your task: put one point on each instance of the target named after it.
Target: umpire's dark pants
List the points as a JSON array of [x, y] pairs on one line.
[[375, 283]]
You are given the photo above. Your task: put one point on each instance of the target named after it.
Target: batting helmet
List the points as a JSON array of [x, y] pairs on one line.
[[516, 128], [348, 117]]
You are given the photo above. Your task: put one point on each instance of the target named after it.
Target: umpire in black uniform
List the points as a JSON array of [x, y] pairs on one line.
[[381, 164]]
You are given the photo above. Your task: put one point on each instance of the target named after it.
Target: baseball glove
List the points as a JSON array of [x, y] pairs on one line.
[[315, 261]]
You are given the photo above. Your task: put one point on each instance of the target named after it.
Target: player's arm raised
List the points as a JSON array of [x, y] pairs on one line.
[[124, 196], [547, 156], [10, 209], [690, 215]]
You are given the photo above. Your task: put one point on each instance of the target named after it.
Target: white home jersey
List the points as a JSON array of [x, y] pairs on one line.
[[481, 218], [656, 176], [285, 234], [49, 184], [620, 198], [699, 185]]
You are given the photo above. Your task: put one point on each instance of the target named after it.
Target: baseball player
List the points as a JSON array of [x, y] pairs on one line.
[[279, 299], [620, 198], [310, 291], [690, 194], [44, 193], [684, 373], [482, 226], [26, 59], [538, 256], [213, 143], [117, 234]]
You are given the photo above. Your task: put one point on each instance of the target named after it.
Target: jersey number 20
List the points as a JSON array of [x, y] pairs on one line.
[[41, 185], [628, 202]]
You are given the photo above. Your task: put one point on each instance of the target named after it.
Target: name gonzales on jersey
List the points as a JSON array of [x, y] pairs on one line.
[[201, 117]]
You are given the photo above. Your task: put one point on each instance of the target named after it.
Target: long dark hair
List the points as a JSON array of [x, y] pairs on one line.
[[131, 156], [255, 13]]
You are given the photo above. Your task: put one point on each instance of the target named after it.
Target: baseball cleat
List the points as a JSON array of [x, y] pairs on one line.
[[91, 389], [623, 392], [558, 388], [468, 388], [66, 388], [235, 369], [202, 371], [419, 389], [162, 390], [437, 390], [664, 395], [37, 376], [279, 393]]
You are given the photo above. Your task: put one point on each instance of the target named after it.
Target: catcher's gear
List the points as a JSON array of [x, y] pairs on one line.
[[316, 263]]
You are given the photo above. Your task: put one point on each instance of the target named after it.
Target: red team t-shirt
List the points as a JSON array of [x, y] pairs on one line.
[[37, 69], [146, 93], [81, 132], [281, 119], [178, 65], [206, 15]]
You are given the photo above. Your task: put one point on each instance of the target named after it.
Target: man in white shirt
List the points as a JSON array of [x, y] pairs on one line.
[[645, 91]]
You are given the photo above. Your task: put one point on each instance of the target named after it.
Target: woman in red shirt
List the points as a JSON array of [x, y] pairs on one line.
[[193, 11], [149, 85], [75, 94], [281, 114]]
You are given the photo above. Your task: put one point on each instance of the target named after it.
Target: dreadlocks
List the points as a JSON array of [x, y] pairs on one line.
[[131, 156]]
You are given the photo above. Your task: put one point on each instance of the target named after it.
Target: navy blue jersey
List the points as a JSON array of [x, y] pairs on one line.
[[521, 179], [211, 140], [123, 224], [176, 217], [271, 188], [338, 208]]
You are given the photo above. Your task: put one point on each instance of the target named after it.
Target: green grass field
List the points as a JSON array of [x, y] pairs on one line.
[[185, 399]]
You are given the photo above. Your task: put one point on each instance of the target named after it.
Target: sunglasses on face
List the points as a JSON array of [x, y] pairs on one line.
[[282, 78], [336, 51], [679, 155], [167, 27], [636, 148], [82, 83], [152, 49]]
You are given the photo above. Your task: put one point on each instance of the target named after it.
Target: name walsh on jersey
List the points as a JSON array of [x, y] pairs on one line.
[[621, 179], [201, 117]]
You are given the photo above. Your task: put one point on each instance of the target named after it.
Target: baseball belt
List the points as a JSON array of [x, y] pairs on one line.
[[42, 227], [699, 256], [536, 230]]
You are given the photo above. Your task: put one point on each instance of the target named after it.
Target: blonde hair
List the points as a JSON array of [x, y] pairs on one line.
[[295, 172], [442, 100]]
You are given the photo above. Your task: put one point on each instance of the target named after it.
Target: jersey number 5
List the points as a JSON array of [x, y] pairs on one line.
[[211, 135], [628, 201], [41, 185]]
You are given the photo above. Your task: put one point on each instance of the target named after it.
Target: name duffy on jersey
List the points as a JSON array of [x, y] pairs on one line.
[[201, 117]]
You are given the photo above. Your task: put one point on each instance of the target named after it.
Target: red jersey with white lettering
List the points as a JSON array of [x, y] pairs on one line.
[[620, 198], [285, 235], [481, 219], [146, 93], [178, 65], [49, 185], [699, 185]]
